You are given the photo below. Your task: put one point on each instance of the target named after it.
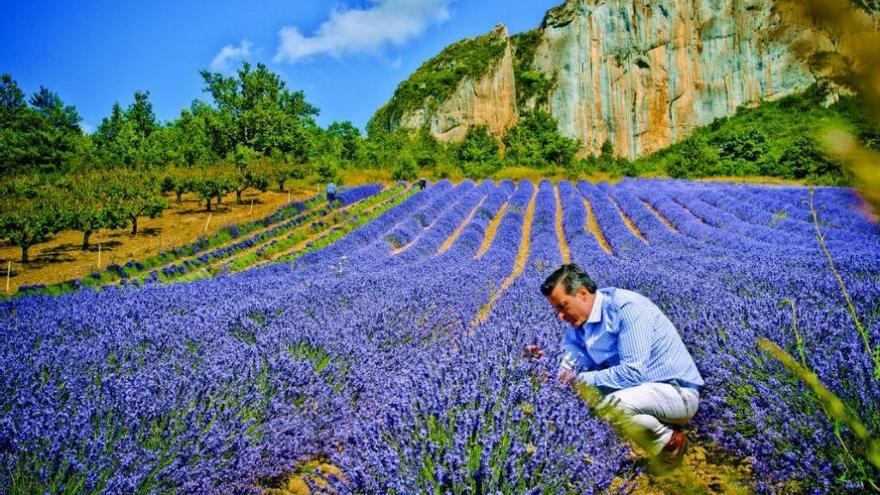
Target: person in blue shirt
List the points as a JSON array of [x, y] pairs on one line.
[[621, 343], [331, 192]]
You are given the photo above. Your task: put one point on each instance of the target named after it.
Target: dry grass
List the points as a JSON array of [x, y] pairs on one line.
[[451, 239], [62, 259], [491, 230], [356, 176], [702, 472], [554, 174], [560, 234], [593, 227]]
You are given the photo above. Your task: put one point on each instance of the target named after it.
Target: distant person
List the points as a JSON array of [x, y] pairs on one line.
[[622, 343], [331, 192], [423, 183]]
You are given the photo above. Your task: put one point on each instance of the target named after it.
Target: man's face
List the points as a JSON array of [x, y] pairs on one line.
[[571, 308]]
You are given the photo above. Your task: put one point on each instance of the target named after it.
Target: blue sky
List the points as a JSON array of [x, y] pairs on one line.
[[347, 56]]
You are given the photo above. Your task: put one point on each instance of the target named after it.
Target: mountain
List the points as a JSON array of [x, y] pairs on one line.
[[642, 74]]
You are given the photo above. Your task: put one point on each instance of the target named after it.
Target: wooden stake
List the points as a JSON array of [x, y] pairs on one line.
[[99, 256], [252, 207], [8, 273], [288, 196], [207, 222]]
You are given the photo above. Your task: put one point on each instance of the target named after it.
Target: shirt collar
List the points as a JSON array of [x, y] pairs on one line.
[[596, 312]]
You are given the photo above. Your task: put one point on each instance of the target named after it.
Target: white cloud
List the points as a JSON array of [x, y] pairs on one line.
[[363, 30], [85, 127], [230, 54]]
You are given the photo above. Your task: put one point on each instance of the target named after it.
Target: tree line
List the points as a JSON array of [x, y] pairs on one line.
[[256, 133]]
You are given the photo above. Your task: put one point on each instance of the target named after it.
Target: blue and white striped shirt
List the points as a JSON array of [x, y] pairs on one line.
[[627, 341]]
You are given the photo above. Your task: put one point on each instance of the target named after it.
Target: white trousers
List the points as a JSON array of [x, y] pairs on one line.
[[650, 409]]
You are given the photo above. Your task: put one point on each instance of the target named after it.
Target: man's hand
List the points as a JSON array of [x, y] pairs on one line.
[[532, 351], [564, 377]]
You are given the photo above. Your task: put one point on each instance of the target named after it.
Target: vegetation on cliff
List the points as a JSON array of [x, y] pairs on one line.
[[437, 79], [532, 86], [777, 139]]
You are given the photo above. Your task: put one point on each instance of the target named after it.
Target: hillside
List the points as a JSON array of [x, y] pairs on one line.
[[640, 75]]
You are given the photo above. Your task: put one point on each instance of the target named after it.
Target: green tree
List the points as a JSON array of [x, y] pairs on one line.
[[535, 141], [328, 169], [245, 173], [693, 158], [209, 185], [741, 150], [123, 138], [606, 152], [406, 168], [478, 152], [44, 135], [349, 138], [177, 180], [257, 110], [200, 131], [802, 159], [279, 169], [136, 195], [140, 114], [90, 208], [30, 219]]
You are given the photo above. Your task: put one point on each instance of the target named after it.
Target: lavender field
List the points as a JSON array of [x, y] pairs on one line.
[[395, 353]]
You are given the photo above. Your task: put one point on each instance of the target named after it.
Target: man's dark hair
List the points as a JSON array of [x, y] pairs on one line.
[[572, 277]]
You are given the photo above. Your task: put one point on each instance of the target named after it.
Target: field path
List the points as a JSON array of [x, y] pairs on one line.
[[491, 230], [560, 233], [451, 239], [594, 228]]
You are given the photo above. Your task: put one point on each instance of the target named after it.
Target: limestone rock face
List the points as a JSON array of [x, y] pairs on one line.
[[644, 73], [489, 100]]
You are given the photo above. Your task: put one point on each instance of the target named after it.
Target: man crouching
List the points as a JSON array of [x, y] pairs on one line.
[[622, 344]]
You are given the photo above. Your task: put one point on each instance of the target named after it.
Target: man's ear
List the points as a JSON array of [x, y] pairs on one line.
[[583, 293]]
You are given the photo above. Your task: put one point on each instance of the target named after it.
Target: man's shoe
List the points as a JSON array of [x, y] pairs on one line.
[[671, 456]]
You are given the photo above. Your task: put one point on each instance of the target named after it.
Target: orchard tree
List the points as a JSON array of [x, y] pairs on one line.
[[90, 209], [209, 185], [137, 195], [27, 221], [279, 169], [179, 181], [245, 173]]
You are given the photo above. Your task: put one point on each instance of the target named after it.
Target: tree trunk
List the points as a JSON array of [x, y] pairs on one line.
[[238, 196], [134, 225], [280, 186], [219, 199], [86, 235], [24, 253], [209, 204], [179, 194]]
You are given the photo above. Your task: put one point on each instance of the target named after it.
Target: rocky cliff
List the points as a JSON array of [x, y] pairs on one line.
[[640, 73]]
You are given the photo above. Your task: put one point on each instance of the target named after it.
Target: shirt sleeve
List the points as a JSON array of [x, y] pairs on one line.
[[634, 349], [574, 356]]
